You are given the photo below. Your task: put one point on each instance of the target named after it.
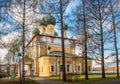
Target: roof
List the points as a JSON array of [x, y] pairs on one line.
[[49, 19], [27, 59], [87, 58], [58, 53], [48, 36]]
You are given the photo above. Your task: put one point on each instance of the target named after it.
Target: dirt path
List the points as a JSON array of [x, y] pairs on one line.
[[42, 81], [114, 81]]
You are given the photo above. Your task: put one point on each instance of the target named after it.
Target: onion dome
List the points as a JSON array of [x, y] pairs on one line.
[[65, 27], [50, 29], [55, 33], [48, 20], [42, 29], [36, 31], [43, 22]]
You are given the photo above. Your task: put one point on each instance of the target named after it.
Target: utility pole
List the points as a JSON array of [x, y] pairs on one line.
[[23, 44], [85, 45], [62, 41]]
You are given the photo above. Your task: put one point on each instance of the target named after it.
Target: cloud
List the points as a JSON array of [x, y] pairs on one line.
[[3, 53], [95, 65], [17, 13], [73, 4], [110, 61], [11, 37]]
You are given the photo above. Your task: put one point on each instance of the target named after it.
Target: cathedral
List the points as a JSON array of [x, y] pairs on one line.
[[44, 52]]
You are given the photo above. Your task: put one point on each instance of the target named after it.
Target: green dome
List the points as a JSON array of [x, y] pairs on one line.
[[48, 20], [65, 26], [55, 34], [36, 31], [43, 22]]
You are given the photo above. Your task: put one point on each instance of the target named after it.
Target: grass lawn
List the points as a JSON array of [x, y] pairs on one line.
[[81, 78], [16, 81]]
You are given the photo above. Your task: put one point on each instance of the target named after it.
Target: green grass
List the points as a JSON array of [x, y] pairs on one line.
[[16, 81], [73, 79], [81, 77]]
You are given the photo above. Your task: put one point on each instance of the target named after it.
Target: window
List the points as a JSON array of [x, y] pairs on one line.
[[78, 67], [41, 68], [52, 67], [61, 68], [68, 67]]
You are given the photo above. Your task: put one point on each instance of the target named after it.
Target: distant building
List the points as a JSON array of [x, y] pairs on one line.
[[6, 69], [110, 65]]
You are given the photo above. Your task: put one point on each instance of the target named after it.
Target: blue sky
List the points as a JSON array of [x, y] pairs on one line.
[[7, 26], [70, 8]]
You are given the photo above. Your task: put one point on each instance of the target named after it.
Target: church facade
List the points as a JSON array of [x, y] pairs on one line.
[[46, 52]]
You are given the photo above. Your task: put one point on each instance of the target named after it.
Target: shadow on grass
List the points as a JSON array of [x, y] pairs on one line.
[[16, 81], [81, 78]]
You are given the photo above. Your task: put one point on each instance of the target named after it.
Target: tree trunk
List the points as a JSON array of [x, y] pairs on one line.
[[23, 45], [102, 40], [85, 45], [62, 41], [115, 38]]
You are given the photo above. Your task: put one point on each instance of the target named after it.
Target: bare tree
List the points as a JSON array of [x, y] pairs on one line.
[[99, 13], [112, 6], [63, 50], [85, 37], [17, 11], [100, 31], [56, 6]]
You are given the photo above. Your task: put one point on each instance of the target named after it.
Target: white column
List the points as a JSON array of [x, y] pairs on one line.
[[39, 50], [34, 66]]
